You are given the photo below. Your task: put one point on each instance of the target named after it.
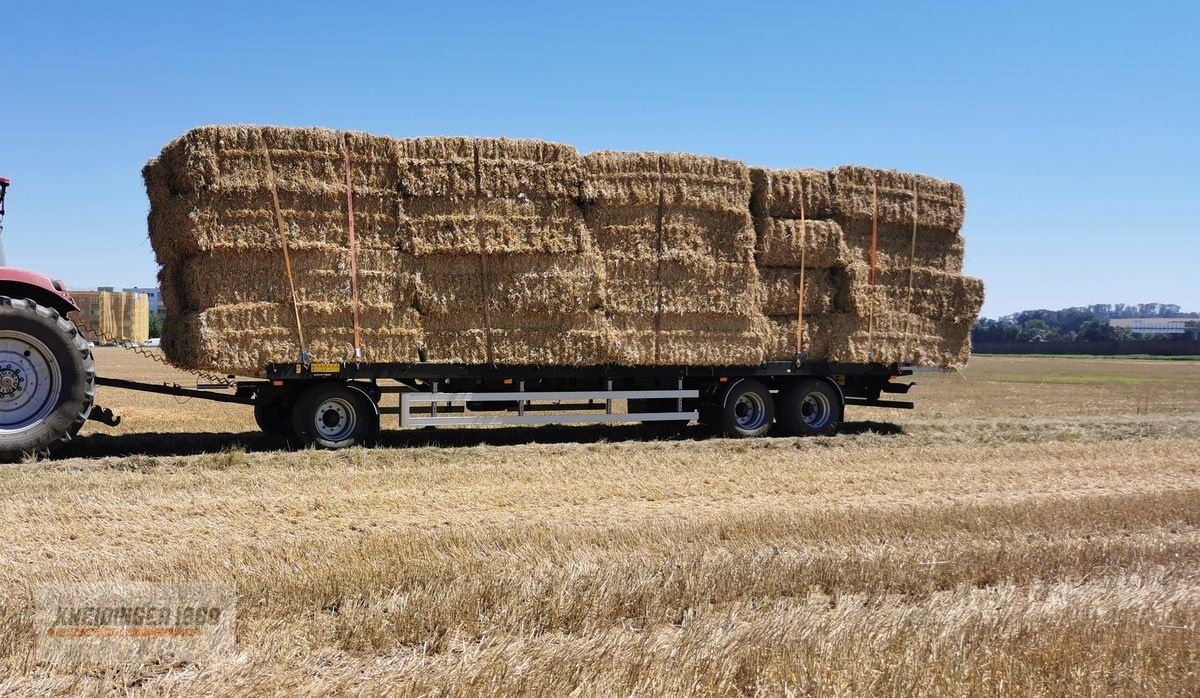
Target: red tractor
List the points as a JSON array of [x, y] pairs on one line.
[[47, 375]]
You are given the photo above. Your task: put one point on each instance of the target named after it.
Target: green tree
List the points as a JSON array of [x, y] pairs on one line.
[[155, 326]]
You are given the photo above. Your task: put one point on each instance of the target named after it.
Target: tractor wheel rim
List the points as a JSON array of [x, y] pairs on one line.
[[815, 410], [335, 419], [30, 382], [750, 411]]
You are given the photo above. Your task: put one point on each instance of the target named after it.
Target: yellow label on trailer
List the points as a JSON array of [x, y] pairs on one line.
[[326, 368]]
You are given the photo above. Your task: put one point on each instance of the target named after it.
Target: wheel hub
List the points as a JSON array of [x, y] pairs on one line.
[[11, 381], [30, 381], [335, 419], [749, 411]]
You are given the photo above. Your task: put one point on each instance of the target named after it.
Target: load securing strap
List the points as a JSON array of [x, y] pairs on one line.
[[484, 282], [658, 287], [874, 259], [800, 288], [912, 256], [353, 247], [287, 260]]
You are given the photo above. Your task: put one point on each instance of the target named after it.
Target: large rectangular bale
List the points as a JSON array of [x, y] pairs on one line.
[[825, 291], [677, 180], [436, 166], [245, 337], [788, 193], [689, 340], [470, 225], [385, 277], [648, 286], [938, 249], [935, 295], [528, 169], [780, 341], [903, 338], [554, 340], [864, 194], [785, 242], [462, 289], [211, 159]]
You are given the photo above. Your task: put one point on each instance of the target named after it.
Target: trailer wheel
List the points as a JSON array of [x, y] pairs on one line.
[[274, 417], [747, 410], [47, 378], [333, 415], [811, 407]]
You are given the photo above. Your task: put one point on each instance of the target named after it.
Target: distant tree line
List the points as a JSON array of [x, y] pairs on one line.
[[1085, 323]]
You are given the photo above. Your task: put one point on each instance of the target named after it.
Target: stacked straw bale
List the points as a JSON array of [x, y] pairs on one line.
[[915, 307], [677, 243], [497, 251]]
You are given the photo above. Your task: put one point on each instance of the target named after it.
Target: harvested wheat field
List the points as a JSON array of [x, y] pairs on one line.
[[1032, 529]]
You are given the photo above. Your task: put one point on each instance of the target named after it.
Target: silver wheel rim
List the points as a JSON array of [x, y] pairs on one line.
[[815, 409], [30, 382], [750, 411], [335, 419]]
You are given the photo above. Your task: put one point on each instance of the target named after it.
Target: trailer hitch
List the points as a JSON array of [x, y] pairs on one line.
[[104, 416]]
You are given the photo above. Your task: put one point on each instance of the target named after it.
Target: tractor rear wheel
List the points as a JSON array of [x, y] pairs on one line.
[[47, 379]]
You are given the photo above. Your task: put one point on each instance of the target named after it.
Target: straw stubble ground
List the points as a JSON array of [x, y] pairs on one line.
[[1032, 528]]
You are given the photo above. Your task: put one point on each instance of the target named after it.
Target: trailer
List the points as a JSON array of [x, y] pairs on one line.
[[48, 388]]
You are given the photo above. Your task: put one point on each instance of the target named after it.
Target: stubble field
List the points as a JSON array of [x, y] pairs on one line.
[[1032, 528]]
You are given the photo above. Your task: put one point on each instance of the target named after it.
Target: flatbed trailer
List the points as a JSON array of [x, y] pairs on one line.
[[335, 405]]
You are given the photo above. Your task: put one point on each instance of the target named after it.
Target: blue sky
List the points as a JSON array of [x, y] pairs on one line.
[[1072, 125]]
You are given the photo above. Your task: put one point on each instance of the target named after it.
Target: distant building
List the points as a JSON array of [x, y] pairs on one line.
[[106, 315], [1152, 325], [152, 295]]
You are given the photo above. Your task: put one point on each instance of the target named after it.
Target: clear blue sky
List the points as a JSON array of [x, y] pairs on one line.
[[1072, 125]]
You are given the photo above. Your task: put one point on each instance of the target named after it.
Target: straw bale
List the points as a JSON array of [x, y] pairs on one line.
[[676, 180], [781, 242], [574, 340], [385, 278], [825, 290], [219, 158], [462, 288], [936, 249], [644, 287], [780, 343], [778, 193], [940, 204], [693, 340], [446, 225], [436, 166], [633, 232], [529, 169], [242, 338]]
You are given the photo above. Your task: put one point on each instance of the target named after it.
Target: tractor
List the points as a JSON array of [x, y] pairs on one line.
[[47, 374]]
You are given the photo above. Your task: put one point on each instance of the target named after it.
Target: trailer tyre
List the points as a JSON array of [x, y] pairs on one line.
[[47, 379], [747, 410], [811, 407], [333, 415], [274, 417]]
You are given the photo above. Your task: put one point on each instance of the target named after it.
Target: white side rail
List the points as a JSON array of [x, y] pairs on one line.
[[522, 398]]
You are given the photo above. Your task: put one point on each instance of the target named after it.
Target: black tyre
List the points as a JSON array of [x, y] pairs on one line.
[[274, 416], [47, 379], [334, 415], [811, 407], [746, 410]]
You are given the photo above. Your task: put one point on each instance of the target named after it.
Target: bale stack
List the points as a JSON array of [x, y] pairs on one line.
[[506, 270], [215, 227], [497, 251], [119, 316], [677, 242], [914, 306]]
